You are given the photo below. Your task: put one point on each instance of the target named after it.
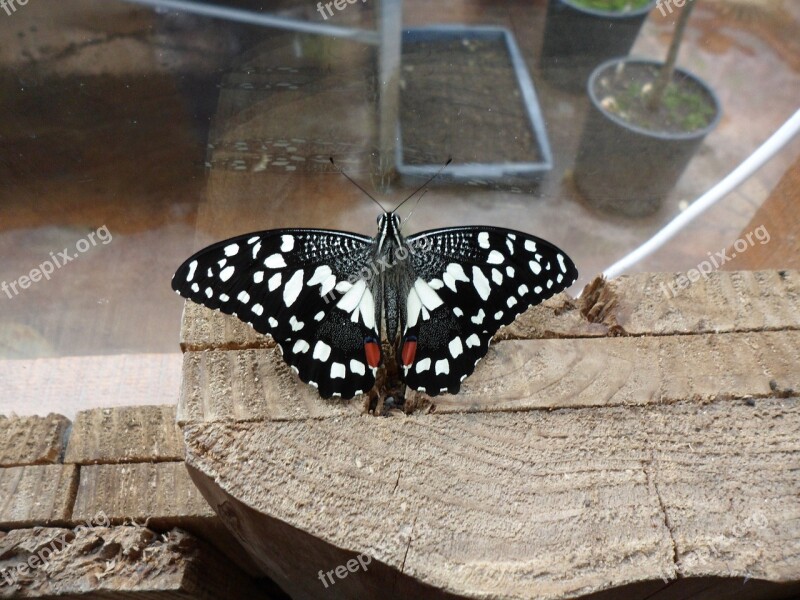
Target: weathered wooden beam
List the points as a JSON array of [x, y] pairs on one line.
[[117, 563], [516, 375], [32, 440], [37, 495], [661, 467], [125, 434], [513, 504], [160, 495]]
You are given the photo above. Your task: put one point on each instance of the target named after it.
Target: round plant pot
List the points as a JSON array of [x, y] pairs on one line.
[[577, 39], [623, 168]]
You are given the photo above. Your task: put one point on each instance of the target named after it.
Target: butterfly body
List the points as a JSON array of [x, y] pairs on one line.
[[330, 297]]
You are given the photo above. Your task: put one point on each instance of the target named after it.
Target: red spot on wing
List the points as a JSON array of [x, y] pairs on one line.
[[373, 351], [409, 351]]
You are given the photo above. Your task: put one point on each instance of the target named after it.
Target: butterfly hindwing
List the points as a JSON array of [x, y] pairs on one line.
[[297, 285], [469, 282]]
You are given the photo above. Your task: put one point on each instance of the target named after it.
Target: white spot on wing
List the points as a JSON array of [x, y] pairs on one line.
[[483, 239], [300, 347], [413, 308], [274, 261], [561, 263], [337, 371], [296, 325], [497, 276], [322, 351], [481, 283], [231, 249], [511, 301], [287, 243], [427, 295], [352, 298], [473, 341], [357, 367], [438, 284], [319, 316], [522, 290], [458, 312], [478, 319], [243, 297], [423, 365], [530, 246], [274, 282], [455, 347], [258, 276], [320, 274], [293, 288], [457, 271], [367, 308], [442, 367], [535, 267], [192, 268], [195, 288], [224, 297], [495, 258], [226, 273], [258, 309], [272, 322]]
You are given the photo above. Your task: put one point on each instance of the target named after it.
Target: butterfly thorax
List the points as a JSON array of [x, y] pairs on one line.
[[393, 274]]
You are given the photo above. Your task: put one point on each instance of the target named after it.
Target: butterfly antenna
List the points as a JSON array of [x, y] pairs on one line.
[[421, 196], [335, 166], [434, 176]]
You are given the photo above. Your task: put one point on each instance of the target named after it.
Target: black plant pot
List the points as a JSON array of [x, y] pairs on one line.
[[623, 168], [577, 39]]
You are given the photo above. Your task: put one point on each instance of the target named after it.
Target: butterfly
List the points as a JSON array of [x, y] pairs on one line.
[[328, 297]]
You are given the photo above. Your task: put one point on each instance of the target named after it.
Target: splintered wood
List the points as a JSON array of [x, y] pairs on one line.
[[662, 466]]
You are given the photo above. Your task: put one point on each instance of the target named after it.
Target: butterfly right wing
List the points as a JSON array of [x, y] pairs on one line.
[[297, 286]]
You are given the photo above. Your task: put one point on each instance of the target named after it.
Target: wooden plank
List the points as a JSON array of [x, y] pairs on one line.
[[139, 491], [639, 304], [125, 434], [160, 495], [116, 563], [37, 495], [32, 440], [554, 504], [246, 385]]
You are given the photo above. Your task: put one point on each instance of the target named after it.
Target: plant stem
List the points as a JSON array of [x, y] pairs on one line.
[[656, 96]]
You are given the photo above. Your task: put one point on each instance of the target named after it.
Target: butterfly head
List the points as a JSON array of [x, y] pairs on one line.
[[389, 224]]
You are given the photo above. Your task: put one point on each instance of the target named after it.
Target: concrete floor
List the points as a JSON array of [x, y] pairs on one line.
[[105, 111]]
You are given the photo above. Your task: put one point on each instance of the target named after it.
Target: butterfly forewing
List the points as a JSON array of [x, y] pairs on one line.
[[297, 285], [469, 282]]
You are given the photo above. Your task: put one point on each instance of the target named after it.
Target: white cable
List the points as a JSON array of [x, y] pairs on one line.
[[263, 20], [754, 162]]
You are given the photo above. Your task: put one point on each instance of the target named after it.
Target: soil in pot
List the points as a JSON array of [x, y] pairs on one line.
[[460, 98], [624, 92], [630, 156]]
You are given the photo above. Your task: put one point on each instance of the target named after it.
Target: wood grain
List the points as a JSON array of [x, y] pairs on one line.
[[118, 563], [37, 495], [247, 385], [32, 440], [125, 434], [564, 503], [639, 304], [139, 491]]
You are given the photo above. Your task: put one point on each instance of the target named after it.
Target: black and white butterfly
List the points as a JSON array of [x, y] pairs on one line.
[[327, 297]]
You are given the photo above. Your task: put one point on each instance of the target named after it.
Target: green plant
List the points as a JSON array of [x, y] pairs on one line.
[[612, 5]]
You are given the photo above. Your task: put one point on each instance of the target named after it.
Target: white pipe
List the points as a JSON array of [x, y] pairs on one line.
[[263, 20], [754, 162]]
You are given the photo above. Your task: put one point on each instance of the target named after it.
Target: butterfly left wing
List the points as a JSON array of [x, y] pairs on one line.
[[469, 282], [295, 284]]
